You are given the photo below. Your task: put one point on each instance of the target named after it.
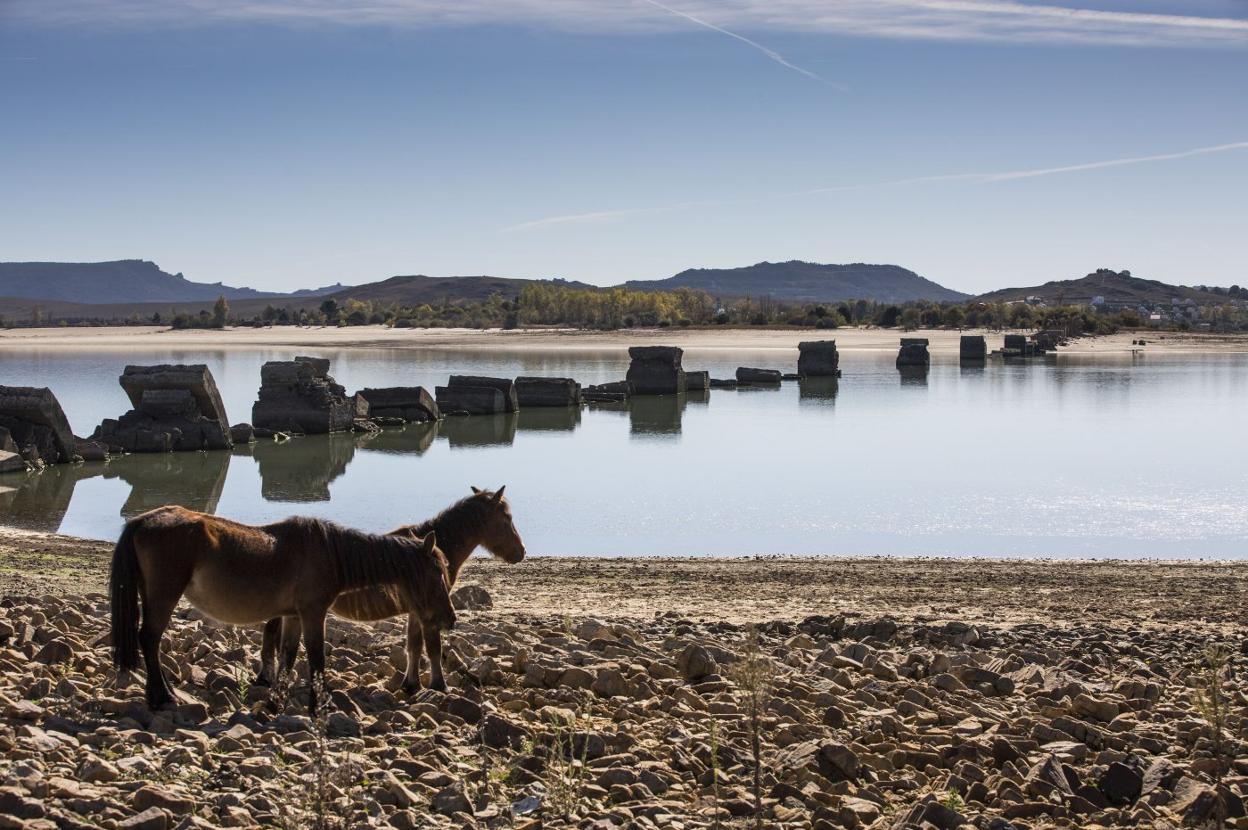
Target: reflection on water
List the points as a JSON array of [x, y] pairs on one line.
[[480, 430], [820, 391], [656, 415], [556, 418], [301, 469], [413, 439], [1112, 457]]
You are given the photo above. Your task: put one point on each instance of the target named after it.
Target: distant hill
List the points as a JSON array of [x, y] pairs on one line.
[[798, 281], [121, 281], [1116, 287], [419, 289]]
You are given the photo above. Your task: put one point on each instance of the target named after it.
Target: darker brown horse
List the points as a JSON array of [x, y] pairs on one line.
[[241, 574], [480, 520]]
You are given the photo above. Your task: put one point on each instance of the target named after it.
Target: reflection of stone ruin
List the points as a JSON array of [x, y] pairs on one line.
[[194, 481], [33, 429], [818, 359], [40, 502], [410, 404], [299, 396], [415, 439], [176, 409], [656, 370], [302, 470], [913, 353], [473, 395], [479, 432], [649, 415]]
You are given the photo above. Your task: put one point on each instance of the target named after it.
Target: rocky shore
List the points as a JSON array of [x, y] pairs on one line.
[[990, 712]]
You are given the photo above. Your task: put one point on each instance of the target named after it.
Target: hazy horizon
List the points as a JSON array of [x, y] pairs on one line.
[[294, 144]]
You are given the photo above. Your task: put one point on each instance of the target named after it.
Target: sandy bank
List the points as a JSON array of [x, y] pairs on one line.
[[942, 342]]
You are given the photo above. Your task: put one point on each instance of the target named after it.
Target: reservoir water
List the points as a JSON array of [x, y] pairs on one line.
[[1078, 456]]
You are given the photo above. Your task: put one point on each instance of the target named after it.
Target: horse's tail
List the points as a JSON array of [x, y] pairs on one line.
[[123, 590]]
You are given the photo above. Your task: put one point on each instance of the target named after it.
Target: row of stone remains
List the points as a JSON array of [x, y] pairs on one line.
[[177, 408]]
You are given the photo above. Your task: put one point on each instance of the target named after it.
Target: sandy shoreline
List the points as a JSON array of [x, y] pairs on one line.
[[848, 339], [1000, 592]]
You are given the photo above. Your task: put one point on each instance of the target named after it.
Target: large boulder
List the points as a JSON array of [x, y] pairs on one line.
[[656, 370], [913, 353], [544, 392], [818, 359], [412, 404], [36, 424], [506, 386], [471, 400], [300, 396]]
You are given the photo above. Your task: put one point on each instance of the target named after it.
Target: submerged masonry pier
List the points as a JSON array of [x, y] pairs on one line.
[[177, 408]]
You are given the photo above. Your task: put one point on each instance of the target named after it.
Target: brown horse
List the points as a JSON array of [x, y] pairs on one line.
[[241, 574], [482, 519]]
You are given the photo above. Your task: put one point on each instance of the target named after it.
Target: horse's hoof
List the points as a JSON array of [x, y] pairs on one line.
[[410, 689], [261, 680], [438, 685]]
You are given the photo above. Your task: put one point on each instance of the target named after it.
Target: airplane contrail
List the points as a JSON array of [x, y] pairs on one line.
[[770, 53], [971, 178]]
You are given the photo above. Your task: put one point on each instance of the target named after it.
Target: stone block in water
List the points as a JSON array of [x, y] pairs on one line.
[[759, 377], [972, 348], [913, 353], [473, 400], [505, 386], [818, 359], [413, 404], [656, 370], [299, 396], [697, 381], [36, 424], [547, 392], [194, 379]]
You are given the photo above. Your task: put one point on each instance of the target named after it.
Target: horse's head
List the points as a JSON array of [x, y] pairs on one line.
[[438, 600], [500, 535]]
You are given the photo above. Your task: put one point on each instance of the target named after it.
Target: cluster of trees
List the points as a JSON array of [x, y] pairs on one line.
[[542, 304], [545, 304]]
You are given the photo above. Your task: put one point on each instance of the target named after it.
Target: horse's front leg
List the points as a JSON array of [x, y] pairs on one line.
[[312, 621], [411, 675], [433, 647]]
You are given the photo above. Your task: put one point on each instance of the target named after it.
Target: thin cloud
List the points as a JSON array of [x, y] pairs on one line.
[[949, 20], [770, 53], [947, 178]]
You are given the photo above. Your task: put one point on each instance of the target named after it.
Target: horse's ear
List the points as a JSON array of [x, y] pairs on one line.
[[475, 490], [431, 540], [498, 495]]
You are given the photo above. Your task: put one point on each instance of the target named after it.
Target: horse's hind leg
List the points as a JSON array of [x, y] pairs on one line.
[[289, 651], [267, 676], [312, 622], [157, 611], [411, 675], [433, 647]]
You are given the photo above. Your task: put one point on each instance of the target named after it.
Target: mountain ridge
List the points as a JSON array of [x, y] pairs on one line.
[[801, 281]]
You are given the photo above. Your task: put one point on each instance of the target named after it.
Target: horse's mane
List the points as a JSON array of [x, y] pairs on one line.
[[366, 559], [463, 519]]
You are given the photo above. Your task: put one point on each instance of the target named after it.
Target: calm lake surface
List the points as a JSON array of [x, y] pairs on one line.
[[1080, 456]]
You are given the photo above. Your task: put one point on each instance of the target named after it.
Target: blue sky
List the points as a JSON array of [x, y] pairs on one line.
[[288, 143]]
